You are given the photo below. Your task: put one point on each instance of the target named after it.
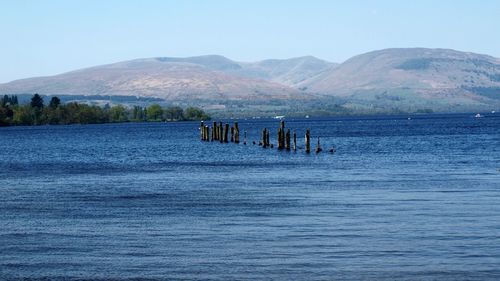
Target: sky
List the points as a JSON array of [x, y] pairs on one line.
[[44, 37]]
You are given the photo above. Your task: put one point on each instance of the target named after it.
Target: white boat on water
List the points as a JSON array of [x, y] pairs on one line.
[[279, 117], [478, 115]]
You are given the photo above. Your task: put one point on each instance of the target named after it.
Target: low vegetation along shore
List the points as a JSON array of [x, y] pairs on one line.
[[37, 112]]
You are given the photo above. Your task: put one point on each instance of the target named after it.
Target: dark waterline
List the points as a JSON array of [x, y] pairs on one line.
[[401, 199]]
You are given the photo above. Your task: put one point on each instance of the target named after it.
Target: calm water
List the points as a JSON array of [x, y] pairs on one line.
[[401, 199]]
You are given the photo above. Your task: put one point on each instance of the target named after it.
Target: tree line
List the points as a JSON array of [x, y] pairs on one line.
[[56, 113]]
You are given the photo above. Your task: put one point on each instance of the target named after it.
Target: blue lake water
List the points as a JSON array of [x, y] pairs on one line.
[[401, 199]]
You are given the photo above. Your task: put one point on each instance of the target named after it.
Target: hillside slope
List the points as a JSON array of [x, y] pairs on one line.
[[439, 76]]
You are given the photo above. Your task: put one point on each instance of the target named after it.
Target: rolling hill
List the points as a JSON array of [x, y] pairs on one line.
[[387, 80], [437, 78]]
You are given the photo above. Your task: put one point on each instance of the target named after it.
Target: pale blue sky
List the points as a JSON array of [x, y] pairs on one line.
[[49, 37]]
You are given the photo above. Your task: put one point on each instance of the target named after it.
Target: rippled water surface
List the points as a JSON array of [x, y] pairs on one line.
[[401, 199]]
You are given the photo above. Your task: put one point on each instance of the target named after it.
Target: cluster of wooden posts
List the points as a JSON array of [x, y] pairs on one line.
[[285, 141], [220, 132]]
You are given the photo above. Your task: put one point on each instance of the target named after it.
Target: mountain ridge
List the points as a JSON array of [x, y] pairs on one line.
[[406, 78]]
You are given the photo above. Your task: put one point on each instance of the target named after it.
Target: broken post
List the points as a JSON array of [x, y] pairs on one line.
[[221, 133], [287, 139], [236, 133], [202, 130], [267, 138], [279, 138], [226, 132], [318, 147], [215, 131], [308, 141], [294, 140], [264, 138]]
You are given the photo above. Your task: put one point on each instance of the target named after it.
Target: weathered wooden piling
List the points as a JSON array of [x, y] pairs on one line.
[[267, 138], [280, 138], [264, 137], [232, 134], [202, 130], [281, 135], [287, 139], [207, 133], [236, 133], [308, 141], [226, 132], [318, 147], [214, 130], [294, 140], [221, 133], [245, 137]]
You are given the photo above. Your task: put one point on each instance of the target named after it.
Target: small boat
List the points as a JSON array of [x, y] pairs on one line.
[[279, 116], [478, 115]]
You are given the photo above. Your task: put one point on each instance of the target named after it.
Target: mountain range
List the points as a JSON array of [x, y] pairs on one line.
[[406, 80]]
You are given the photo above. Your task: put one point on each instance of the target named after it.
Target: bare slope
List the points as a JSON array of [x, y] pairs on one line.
[[399, 79], [206, 77], [442, 75]]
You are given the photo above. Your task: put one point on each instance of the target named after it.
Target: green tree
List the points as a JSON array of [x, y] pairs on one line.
[[37, 101], [53, 116], [174, 113], [23, 115], [195, 113], [3, 116], [118, 113], [155, 112], [54, 102], [37, 105], [138, 113], [4, 101]]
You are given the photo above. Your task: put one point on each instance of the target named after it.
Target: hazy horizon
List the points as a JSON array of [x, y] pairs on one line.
[[51, 37]]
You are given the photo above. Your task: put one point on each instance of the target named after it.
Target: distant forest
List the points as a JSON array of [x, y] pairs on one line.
[[36, 112]]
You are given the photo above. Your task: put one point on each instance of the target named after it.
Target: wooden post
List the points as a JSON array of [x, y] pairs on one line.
[[308, 141], [267, 138], [214, 130], [279, 139], [318, 147], [287, 139], [245, 137], [207, 133], [232, 134], [236, 133], [212, 134], [202, 130], [282, 134], [226, 132], [264, 138], [221, 133], [294, 140]]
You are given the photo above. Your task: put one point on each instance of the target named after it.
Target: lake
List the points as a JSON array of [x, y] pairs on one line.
[[405, 199]]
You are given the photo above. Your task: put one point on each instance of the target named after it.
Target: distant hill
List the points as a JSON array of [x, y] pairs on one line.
[[205, 77], [291, 72], [426, 77], [389, 80]]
